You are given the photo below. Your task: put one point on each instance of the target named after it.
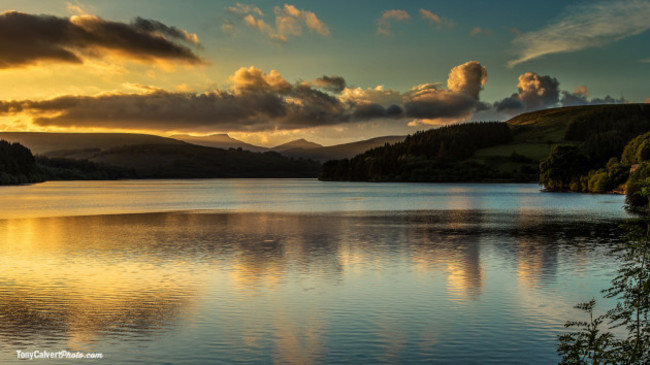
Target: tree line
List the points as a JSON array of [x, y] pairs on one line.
[[435, 156]]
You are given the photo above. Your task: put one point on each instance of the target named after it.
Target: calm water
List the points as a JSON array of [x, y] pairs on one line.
[[297, 271]]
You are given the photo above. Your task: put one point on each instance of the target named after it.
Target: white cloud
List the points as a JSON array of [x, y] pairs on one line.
[[584, 26]]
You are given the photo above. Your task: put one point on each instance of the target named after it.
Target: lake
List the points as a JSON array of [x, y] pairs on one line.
[[298, 271]]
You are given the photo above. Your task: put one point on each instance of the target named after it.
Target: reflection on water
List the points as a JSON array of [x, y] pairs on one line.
[[453, 286]]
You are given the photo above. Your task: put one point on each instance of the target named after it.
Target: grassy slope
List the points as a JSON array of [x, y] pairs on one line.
[[535, 133]]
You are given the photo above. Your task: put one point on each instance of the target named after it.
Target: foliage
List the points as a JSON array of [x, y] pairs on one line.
[[17, 164], [562, 168], [635, 200], [68, 169], [587, 345], [637, 150], [425, 156], [631, 289], [626, 119], [191, 161]]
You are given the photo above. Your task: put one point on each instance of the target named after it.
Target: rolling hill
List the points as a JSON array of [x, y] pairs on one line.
[[455, 154], [56, 144], [298, 144], [340, 151], [219, 141]]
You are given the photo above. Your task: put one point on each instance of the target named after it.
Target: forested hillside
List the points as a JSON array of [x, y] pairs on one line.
[[486, 152], [433, 155], [17, 164]]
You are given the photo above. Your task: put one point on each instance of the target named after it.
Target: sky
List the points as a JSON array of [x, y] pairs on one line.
[[329, 71]]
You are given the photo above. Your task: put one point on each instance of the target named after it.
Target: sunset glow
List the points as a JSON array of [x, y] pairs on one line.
[[329, 72]]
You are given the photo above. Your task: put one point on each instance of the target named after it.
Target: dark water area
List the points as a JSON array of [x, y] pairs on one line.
[[350, 273]]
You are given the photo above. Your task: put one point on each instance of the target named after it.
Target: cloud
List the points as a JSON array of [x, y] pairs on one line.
[[244, 9], [154, 26], [378, 95], [436, 20], [536, 92], [584, 26], [289, 21], [252, 79], [478, 30], [468, 78], [384, 26], [335, 84], [372, 103], [257, 101], [27, 39], [533, 92], [461, 99], [580, 96]]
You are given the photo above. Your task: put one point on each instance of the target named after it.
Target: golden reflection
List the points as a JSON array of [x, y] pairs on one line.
[[536, 254], [72, 279], [441, 244]]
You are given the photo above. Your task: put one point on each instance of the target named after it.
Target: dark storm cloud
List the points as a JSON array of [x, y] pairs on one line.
[[335, 84], [27, 39], [510, 105], [441, 104]]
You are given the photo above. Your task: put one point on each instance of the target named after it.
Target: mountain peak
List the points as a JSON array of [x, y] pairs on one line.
[[295, 144]]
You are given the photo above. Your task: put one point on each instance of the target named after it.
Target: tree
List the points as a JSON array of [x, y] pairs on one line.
[[631, 289], [563, 165], [588, 345]]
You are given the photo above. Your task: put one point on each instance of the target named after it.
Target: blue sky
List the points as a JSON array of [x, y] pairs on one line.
[[588, 49]]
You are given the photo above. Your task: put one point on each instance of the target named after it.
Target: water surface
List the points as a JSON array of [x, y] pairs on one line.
[[298, 271]]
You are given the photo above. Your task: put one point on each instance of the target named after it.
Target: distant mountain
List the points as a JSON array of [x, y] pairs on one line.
[[219, 141], [340, 151], [297, 144], [60, 144]]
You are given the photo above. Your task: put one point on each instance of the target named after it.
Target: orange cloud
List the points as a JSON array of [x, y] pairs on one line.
[[30, 39], [289, 21]]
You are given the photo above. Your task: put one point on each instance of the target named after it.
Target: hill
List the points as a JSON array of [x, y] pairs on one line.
[[432, 156], [45, 143], [600, 131], [219, 141], [341, 151], [295, 145], [191, 161]]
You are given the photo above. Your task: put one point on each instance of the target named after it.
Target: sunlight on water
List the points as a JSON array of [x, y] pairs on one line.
[[469, 280]]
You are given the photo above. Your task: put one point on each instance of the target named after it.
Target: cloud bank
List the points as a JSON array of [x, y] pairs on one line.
[[265, 101], [27, 39], [584, 26]]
